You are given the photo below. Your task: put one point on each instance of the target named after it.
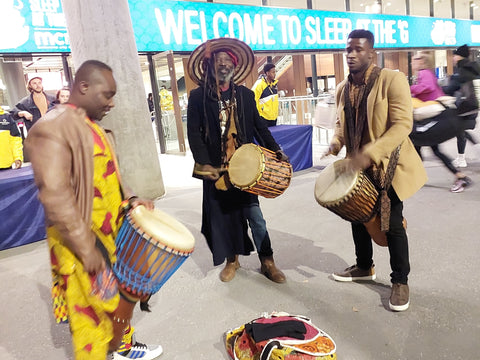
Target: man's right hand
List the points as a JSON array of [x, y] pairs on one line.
[[208, 172], [325, 154], [333, 149], [93, 261], [26, 115]]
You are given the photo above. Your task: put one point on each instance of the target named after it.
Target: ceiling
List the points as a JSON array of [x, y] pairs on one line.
[[54, 63]]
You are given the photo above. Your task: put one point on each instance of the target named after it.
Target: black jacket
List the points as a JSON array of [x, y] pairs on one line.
[[251, 126], [466, 71], [27, 104]]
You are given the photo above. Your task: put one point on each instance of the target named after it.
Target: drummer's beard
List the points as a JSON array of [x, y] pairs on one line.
[[223, 74]]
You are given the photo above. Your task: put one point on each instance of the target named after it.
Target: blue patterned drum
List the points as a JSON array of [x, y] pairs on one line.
[[151, 246]]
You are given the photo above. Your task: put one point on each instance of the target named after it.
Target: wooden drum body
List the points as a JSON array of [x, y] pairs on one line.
[[351, 195], [151, 246], [256, 170]]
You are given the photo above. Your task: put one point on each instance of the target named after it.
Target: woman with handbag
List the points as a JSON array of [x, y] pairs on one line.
[[426, 89]]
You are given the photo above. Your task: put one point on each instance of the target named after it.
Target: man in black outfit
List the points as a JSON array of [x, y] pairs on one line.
[[465, 71], [221, 117]]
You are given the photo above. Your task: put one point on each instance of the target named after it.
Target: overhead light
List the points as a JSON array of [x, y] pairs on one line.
[[375, 8]]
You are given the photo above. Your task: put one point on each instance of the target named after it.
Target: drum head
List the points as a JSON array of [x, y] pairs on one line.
[[163, 228], [334, 182], [246, 165]]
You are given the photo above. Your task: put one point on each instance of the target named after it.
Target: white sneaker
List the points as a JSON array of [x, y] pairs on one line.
[[459, 162], [139, 351]]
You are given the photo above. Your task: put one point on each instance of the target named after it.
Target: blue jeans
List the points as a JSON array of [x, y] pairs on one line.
[[258, 226]]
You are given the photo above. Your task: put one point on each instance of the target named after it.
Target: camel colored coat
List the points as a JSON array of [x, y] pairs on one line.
[[390, 121]]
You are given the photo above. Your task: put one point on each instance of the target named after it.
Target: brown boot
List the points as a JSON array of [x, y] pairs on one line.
[[270, 270], [228, 272]]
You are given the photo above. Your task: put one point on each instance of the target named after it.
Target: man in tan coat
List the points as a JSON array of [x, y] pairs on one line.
[[374, 119]]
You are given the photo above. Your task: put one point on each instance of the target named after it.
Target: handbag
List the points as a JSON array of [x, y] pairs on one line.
[[466, 99], [279, 336]]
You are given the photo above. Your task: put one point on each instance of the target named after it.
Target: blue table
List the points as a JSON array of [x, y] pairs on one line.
[[21, 213], [296, 142]]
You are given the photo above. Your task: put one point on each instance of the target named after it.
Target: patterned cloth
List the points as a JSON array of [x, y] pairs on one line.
[[76, 294]]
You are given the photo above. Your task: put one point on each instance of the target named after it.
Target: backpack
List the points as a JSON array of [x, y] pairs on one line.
[[279, 336]]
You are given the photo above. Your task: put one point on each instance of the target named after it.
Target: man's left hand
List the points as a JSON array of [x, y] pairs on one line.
[[18, 164], [282, 156], [134, 202]]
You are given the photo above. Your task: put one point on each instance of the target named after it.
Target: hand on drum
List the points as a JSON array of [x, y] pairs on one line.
[[282, 156], [93, 261], [209, 172], [134, 202], [333, 149]]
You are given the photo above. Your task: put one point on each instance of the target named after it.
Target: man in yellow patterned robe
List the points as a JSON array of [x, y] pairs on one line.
[[80, 188]]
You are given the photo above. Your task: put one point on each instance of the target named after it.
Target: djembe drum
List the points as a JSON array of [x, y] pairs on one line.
[[352, 196], [257, 170], [151, 246]]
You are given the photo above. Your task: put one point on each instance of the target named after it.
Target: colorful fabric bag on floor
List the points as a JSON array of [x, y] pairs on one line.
[[280, 336]]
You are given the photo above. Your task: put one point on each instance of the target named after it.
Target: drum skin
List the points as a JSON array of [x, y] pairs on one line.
[[351, 195], [151, 246], [256, 170]]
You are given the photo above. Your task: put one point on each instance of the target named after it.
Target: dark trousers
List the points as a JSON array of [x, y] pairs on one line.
[[444, 158], [397, 243], [462, 141], [270, 122]]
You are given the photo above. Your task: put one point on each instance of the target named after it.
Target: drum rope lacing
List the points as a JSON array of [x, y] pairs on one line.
[[166, 264]]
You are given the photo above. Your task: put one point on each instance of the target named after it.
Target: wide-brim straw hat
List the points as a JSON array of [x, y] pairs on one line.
[[242, 51]]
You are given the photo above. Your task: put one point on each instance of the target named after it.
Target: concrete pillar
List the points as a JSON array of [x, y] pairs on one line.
[[300, 86], [403, 62], [189, 84], [253, 76], [12, 75], [102, 30], [450, 62], [339, 69]]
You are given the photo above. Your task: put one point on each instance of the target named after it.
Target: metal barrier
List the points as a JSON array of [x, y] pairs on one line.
[[308, 110], [291, 107]]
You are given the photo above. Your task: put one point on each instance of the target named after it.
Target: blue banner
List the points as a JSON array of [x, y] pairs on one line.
[[182, 25], [159, 25], [30, 26]]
